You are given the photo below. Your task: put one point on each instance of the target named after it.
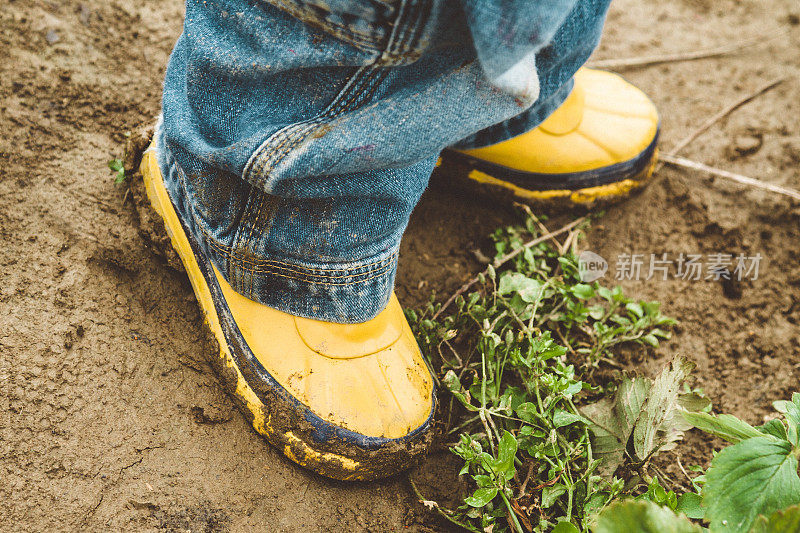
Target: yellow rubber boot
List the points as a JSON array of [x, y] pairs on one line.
[[597, 147], [348, 401]]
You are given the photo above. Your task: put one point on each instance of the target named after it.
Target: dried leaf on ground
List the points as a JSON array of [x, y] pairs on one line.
[[647, 411]]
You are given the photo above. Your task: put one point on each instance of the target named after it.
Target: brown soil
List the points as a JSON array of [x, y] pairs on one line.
[[109, 417]]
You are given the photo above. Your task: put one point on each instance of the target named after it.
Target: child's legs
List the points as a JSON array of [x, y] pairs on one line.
[[295, 158]]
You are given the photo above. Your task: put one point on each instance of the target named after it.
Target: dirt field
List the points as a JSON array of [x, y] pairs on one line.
[[110, 419]]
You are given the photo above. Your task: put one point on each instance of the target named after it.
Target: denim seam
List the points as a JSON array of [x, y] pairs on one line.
[[310, 272], [369, 76], [296, 133], [284, 135], [306, 271], [347, 274], [260, 214], [228, 251], [401, 42], [252, 220], [244, 223], [290, 144], [345, 33], [349, 280]]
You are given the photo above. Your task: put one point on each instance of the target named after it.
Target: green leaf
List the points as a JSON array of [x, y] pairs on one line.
[[726, 427], [481, 497], [563, 418], [646, 411], [658, 332], [119, 167], [565, 527], [775, 428], [694, 401], [551, 494], [785, 521], [690, 504], [572, 389], [658, 494], [528, 289], [641, 517], [597, 312], [756, 476], [582, 291], [791, 410], [505, 455], [635, 309], [453, 384], [528, 412], [617, 294], [604, 293], [650, 340]]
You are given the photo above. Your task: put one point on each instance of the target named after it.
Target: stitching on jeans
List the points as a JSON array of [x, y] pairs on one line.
[[277, 157], [369, 274], [288, 143], [368, 77], [230, 252], [364, 39], [332, 280], [263, 265], [375, 274], [304, 276], [343, 284], [301, 130], [340, 273], [257, 160], [245, 223], [266, 263], [256, 222]]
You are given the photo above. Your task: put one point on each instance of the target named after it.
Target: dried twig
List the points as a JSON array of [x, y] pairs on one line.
[[688, 163], [643, 61], [685, 473], [722, 114], [506, 258], [673, 159], [538, 222]]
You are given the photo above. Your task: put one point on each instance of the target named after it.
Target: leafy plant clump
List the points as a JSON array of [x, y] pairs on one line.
[[518, 355], [751, 486], [549, 447]]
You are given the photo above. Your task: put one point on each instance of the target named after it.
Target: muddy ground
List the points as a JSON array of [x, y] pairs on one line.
[[110, 419]]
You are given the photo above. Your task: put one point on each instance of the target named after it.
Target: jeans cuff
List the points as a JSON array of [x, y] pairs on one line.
[[342, 292], [519, 124], [347, 293]]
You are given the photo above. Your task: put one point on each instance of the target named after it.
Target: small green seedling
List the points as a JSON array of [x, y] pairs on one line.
[[119, 167]]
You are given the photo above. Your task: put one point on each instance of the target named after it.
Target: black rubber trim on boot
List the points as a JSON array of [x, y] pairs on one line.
[[573, 181]]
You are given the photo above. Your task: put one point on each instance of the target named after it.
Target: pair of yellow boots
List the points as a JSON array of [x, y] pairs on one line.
[[356, 401]]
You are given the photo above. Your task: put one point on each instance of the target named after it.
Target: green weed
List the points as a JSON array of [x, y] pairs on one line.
[[751, 486], [517, 355], [548, 447], [118, 166]]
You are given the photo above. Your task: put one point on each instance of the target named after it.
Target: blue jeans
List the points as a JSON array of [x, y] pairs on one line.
[[297, 136]]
